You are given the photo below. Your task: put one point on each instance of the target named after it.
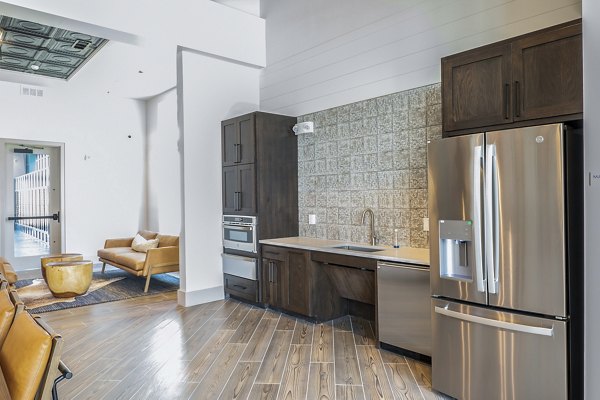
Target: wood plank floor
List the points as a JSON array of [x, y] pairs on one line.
[[151, 348]]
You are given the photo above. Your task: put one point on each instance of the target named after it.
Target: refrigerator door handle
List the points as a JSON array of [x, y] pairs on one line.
[[509, 326], [477, 158], [491, 218]]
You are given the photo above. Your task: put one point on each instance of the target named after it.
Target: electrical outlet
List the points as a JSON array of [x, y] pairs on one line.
[[426, 224], [312, 219]]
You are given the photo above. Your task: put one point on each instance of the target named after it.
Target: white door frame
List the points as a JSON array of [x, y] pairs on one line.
[[3, 185]]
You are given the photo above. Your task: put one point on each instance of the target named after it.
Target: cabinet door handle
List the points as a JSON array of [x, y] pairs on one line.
[[235, 201], [517, 99], [239, 200], [506, 99], [238, 152], [271, 271], [240, 286]]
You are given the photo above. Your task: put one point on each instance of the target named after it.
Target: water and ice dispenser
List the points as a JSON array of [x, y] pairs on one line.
[[457, 255]]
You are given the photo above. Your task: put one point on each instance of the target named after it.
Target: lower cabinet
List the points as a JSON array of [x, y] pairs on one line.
[[317, 285], [241, 287], [286, 277]]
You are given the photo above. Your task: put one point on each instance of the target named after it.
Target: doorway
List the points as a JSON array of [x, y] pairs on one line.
[[32, 204]]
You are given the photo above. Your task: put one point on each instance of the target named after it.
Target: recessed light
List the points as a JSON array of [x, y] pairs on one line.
[[34, 67]]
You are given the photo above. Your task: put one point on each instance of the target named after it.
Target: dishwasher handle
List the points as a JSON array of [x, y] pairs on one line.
[[402, 266]]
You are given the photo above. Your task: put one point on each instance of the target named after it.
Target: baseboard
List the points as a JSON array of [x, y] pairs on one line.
[[188, 299]]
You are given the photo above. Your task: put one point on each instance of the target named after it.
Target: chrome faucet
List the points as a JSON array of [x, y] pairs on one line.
[[373, 237]]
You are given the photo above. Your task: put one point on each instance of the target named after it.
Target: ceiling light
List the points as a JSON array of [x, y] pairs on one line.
[[34, 67], [1, 34]]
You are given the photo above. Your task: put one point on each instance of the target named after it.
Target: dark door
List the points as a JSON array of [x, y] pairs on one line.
[[295, 285], [230, 142], [230, 189], [267, 287], [548, 74], [246, 189], [476, 88], [274, 271], [246, 141]]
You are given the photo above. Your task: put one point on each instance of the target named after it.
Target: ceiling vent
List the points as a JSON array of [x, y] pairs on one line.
[[81, 44], [32, 91]]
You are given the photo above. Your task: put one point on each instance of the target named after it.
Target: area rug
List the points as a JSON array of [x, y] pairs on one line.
[[112, 285]]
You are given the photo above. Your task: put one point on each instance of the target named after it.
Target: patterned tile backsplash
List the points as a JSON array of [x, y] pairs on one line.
[[369, 154]]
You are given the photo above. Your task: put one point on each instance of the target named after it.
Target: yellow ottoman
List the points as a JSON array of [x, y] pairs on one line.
[[69, 279], [58, 258]]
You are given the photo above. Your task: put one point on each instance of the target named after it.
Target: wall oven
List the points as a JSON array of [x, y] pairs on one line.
[[239, 233]]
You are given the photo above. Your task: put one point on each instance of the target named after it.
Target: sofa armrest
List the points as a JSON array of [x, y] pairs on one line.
[[119, 242], [161, 257], [9, 272]]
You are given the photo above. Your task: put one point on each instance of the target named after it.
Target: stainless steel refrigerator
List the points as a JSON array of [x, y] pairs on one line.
[[505, 213]]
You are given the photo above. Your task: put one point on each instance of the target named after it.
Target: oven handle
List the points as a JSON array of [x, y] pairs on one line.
[[239, 228]]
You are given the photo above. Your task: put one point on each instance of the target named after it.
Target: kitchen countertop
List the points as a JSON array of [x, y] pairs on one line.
[[408, 255]]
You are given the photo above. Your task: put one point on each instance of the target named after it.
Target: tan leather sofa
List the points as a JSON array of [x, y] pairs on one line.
[[7, 271], [165, 258]]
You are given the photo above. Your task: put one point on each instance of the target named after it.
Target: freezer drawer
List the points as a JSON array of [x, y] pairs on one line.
[[481, 353], [404, 306]]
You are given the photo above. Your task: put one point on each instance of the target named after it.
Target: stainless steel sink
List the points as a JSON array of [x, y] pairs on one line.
[[358, 248]]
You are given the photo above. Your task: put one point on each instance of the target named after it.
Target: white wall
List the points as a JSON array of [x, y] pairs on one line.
[[104, 195], [325, 54], [210, 90], [201, 25], [591, 103], [163, 164]]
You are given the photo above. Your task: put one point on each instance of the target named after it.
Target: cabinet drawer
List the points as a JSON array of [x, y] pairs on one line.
[[240, 287], [274, 253]]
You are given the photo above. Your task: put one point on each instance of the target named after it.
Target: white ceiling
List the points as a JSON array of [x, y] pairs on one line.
[[115, 68], [136, 42]]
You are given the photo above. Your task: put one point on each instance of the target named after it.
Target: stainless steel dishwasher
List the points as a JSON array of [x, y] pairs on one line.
[[404, 306]]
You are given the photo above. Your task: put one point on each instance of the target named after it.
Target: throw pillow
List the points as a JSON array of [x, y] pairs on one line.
[[142, 245]]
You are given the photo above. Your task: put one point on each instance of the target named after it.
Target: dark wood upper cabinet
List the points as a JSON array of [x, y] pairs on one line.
[[264, 151], [239, 189], [476, 88], [230, 140], [247, 139], [528, 80], [247, 189], [548, 74], [238, 140], [230, 189]]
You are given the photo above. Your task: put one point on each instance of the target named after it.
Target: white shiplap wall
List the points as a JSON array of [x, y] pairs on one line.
[[322, 54]]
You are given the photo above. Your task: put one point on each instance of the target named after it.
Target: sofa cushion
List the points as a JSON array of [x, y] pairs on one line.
[[8, 271], [111, 253], [142, 245], [147, 234], [167, 240], [7, 313], [24, 356], [133, 260]]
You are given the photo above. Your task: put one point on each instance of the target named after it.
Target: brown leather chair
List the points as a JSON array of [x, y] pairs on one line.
[[30, 358], [8, 271], [10, 306]]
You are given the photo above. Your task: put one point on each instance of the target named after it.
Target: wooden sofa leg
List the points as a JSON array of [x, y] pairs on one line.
[[147, 281], [103, 267]]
